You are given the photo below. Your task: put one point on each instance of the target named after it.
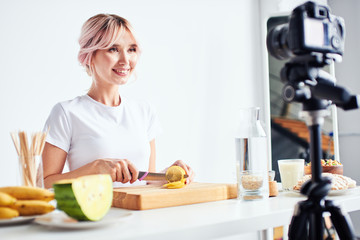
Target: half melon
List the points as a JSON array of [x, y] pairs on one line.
[[87, 198]]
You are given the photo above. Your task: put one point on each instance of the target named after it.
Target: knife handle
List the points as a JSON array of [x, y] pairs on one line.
[[142, 175]]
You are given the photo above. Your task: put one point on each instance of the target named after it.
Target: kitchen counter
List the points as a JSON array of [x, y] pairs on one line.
[[210, 220]]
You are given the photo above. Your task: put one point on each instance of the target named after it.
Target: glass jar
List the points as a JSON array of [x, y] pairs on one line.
[[251, 154], [31, 171]]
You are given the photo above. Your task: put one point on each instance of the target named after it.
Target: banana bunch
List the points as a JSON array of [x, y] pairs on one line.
[[24, 201]]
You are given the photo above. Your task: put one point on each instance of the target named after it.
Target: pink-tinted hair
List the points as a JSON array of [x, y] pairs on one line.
[[100, 32]]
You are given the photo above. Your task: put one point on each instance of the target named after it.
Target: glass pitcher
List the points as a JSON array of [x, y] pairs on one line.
[[251, 155]]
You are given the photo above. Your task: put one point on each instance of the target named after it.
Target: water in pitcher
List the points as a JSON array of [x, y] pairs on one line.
[[251, 153], [251, 164]]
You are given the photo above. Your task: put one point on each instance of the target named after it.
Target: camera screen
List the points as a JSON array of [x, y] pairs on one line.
[[314, 32]]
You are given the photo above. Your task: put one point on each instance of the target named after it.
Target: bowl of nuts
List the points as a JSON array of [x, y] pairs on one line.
[[328, 166]]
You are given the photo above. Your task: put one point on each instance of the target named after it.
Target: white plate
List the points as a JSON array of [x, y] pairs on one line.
[[59, 219], [341, 192], [333, 192], [16, 220]]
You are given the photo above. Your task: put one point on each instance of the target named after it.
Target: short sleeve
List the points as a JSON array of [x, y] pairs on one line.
[[154, 126], [59, 128]]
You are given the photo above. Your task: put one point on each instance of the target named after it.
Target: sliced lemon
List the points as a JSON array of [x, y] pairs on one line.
[[174, 174], [175, 177], [177, 184]]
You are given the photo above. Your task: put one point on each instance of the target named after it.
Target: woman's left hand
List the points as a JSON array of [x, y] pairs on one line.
[[188, 170]]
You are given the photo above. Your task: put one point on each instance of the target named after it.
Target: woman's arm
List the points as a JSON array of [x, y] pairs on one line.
[[152, 160], [120, 170], [53, 164]]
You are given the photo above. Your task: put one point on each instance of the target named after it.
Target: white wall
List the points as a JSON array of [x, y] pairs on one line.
[[347, 74], [200, 62]]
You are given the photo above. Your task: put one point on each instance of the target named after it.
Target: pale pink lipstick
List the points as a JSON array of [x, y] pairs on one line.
[[122, 71]]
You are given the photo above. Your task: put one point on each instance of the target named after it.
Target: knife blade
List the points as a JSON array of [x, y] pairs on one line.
[[151, 176]]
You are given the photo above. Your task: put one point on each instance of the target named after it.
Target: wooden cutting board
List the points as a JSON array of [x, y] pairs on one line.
[[150, 196]]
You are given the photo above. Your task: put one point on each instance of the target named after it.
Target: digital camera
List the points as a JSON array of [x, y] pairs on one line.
[[311, 28]]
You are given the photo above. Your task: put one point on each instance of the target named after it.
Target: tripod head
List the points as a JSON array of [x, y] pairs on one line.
[[306, 82]]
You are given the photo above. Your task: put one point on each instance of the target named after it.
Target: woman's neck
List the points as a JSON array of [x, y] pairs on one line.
[[106, 96]]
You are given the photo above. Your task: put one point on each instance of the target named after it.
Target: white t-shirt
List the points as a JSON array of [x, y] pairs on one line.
[[88, 130]]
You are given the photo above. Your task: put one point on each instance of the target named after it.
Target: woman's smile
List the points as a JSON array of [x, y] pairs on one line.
[[121, 71]]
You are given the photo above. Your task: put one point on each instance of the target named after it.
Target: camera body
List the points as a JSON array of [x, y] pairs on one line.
[[311, 28]]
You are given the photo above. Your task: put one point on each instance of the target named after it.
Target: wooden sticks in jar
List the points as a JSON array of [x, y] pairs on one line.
[[29, 153]]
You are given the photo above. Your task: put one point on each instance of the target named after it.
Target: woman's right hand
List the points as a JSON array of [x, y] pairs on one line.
[[120, 170]]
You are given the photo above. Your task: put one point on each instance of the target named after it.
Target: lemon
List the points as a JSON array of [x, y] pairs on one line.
[[175, 177], [174, 174]]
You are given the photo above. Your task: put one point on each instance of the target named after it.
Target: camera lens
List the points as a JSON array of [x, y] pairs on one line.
[[277, 43], [288, 93]]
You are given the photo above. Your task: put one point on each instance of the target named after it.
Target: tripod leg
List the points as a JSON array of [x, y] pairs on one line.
[[316, 228], [298, 225], [342, 227]]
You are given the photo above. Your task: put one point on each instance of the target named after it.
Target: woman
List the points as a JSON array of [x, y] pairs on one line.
[[102, 132]]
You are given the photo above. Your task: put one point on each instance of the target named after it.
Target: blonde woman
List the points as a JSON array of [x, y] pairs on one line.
[[102, 132]]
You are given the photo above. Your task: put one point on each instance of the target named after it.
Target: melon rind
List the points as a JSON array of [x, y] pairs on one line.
[[86, 198]]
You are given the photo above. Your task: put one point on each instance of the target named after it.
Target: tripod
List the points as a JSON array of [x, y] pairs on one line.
[[316, 90], [308, 222]]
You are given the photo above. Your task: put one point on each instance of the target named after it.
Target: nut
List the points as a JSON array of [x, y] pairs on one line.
[[251, 182]]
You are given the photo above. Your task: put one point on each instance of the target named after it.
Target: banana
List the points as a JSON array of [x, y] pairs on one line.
[[28, 193], [6, 213], [6, 199], [32, 207]]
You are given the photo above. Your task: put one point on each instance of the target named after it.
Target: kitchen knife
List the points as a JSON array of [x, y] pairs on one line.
[[151, 176]]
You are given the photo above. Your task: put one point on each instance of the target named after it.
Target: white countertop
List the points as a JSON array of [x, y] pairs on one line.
[[197, 221]]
